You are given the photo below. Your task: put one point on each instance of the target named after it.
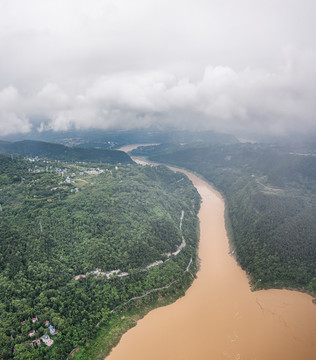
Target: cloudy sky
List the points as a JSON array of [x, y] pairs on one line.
[[235, 66]]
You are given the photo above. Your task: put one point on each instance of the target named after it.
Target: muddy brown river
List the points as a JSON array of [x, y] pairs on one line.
[[219, 317]]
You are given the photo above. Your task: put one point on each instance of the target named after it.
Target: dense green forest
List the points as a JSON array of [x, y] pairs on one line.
[[41, 149], [76, 241], [270, 198]]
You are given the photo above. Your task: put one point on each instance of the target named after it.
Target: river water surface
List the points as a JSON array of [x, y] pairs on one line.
[[219, 317]]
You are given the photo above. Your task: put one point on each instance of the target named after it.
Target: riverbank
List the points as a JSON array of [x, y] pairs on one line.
[[220, 317], [257, 280], [119, 324], [125, 315]]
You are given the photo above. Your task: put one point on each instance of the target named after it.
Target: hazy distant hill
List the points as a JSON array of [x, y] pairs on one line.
[[31, 148], [113, 139]]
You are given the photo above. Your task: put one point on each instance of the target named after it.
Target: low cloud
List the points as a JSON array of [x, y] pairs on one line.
[[12, 117], [223, 99], [243, 66]]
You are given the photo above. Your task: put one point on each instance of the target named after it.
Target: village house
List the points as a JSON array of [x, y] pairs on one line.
[[34, 319], [77, 277], [123, 274], [38, 342], [31, 333], [52, 330], [47, 340], [47, 323]]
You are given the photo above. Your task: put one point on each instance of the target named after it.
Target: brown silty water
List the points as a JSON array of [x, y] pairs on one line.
[[219, 317]]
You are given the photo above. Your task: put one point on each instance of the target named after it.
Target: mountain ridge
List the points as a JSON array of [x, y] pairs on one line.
[[43, 149]]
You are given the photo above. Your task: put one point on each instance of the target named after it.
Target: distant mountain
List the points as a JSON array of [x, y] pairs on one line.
[[3, 142], [294, 142], [113, 139], [31, 148]]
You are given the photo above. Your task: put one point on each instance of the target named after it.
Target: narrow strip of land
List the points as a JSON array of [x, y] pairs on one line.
[[153, 290]]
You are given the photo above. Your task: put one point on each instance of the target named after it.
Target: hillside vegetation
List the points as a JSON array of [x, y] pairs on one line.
[[76, 242], [41, 149], [270, 206]]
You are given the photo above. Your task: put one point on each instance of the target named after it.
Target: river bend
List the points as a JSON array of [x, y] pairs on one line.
[[219, 317]]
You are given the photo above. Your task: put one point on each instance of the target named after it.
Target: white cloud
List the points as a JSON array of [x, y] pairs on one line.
[[125, 64], [10, 123], [12, 120]]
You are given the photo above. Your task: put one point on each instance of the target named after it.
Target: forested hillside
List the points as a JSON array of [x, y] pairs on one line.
[[77, 241], [270, 206], [41, 149]]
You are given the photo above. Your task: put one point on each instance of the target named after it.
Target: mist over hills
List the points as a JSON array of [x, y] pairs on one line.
[[113, 139]]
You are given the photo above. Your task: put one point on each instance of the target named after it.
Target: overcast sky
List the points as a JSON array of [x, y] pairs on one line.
[[236, 66]]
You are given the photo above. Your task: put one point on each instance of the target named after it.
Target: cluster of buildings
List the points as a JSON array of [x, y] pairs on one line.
[[96, 171], [98, 272], [45, 338]]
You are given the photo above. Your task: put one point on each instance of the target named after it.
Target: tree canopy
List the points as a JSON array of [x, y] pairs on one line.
[[61, 224]]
